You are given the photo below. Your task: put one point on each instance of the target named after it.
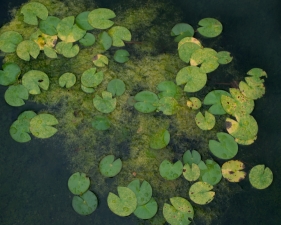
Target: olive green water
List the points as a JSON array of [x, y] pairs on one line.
[[80, 147]]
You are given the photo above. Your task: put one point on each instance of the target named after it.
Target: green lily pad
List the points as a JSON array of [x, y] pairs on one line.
[[67, 49], [232, 171], [200, 193], [207, 122], [100, 60], [119, 34], [191, 173], [90, 78], [194, 103], [260, 177], [160, 139], [121, 56], [224, 57], [194, 79], [143, 192], [78, 183], [67, 80], [10, 73], [27, 48], [33, 80], [9, 41], [49, 26], [225, 148], [88, 40], [214, 98], [116, 87], [101, 123], [15, 95], [180, 212], [147, 210], [106, 104], [105, 40], [110, 167], [123, 205], [168, 105], [210, 27], [186, 47], [170, 171], [257, 72], [85, 204], [32, 10], [191, 157], [87, 90], [100, 18], [68, 31], [168, 89], [82, 21], [207, 57], [210, 172], [41, 125], [50, 52], [182, 30], [147, 101]]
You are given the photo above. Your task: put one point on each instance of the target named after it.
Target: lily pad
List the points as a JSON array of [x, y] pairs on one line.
[[147, 210], [225, 148], [67, 80], [87, 90], [192, 156], [260, 177], [214, 98], [85, 204], [232, 171], [147, 101], [186, 47], [123, 205], [210, 27], [9, 41], [119, 34], [143, 192], [200, 193], [27, 48], [160, 139], [194, 79], [207, 57], [82, 21], [41, 125], [10, 73], [224, 57], [121, 56], [16, 94], [105, 40], [207, 122], [100, 18], [49, 26], [101, 123], [33, 80], [50, 52], [168, 105], [78, 183], [116, 87], [168, 89], [191, 173], [170, 171], [194, 103], [182, 30], [32, 10], [68, 50], [88, 40], [100, 60], [90, 78], [210, 172], [110, 167], [105, 104]]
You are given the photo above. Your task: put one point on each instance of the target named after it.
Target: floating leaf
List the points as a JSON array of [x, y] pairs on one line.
[[121, 56], [170, 171], [119, 34], [27, 48], [90, 78], [168, 105], [100, 60], [10, 73], [210, 172], [232, 171], [68, 50], [191, 173], [143, 192], [99, 18], [214, 98], [160, 139], [32, 10], [15, 95], [210, 27], [110, 167], [147, 101], [67, 80], [43, 40], [194, 103], [182, 30], [9, 41], [200, 193], [194, 79], [88, 40], [207, 57], [105, 40], [207, 122], [50, 52], [123, 205], [180, 212], [33, 80], [168, 89], [146, 211], [116, 87], [260, 177], [101, 123], [82, 21], [87, 89], [106, 104], [186, 47], [41, 125], [78, 183], [224, 57], [226, 148], [49, 26], [85, 204], [191, 157]]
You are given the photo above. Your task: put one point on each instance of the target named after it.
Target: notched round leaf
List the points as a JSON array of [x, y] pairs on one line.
[[110, 167], [260, 176]]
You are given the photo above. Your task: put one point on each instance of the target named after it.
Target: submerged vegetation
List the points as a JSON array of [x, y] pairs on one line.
[[132, 113]]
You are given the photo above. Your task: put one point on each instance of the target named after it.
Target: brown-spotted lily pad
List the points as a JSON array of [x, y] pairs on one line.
[[200, 193], [233, 171]]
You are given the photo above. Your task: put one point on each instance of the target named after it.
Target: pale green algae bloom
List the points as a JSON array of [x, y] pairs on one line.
[[130, 131]]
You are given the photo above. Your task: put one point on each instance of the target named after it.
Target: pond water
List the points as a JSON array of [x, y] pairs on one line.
[[33, 176]]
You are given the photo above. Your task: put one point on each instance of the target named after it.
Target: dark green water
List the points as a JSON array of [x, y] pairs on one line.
[[33, 176]]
